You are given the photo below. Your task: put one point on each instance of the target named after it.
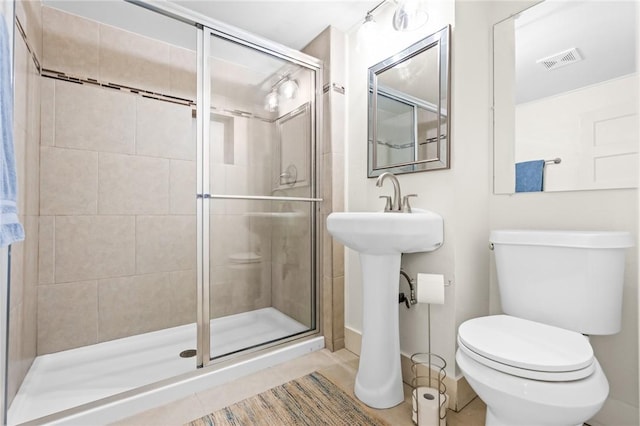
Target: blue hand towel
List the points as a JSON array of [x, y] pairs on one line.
[[10, 228], [529, 176]]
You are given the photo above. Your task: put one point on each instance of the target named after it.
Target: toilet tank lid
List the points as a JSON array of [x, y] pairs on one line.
[[560, 238]]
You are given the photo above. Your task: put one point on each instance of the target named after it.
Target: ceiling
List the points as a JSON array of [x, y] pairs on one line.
[[604, 33], [293, 23]]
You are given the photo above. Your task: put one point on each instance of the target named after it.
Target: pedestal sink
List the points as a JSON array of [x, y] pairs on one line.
[[381, 238]]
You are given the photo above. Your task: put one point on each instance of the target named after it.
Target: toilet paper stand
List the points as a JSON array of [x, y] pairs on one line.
[[429, 398]]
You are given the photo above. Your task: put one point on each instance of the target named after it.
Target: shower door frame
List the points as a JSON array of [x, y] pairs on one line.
[[206, 31]]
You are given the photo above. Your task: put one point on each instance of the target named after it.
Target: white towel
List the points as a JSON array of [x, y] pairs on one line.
[[10, 228]]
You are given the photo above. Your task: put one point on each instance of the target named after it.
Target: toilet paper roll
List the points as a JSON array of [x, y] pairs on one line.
[[430, 288], [426, 413]]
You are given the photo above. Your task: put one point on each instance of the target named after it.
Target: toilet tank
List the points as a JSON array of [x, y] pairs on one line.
[[570, 279]]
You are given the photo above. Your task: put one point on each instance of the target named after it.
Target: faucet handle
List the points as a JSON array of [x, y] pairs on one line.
[[406, 208], [387, 204]]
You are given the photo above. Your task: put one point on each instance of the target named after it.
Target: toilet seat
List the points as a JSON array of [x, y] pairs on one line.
[[526, 348]]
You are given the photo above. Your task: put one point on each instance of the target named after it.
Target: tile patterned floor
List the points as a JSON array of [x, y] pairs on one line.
[[340, 367]]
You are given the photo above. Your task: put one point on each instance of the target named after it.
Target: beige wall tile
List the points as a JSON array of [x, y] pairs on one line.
[[32, 148], [29, 14], [47, 111], [16, 278], [337, 182], [31, 230], [68, 181], [21, 118], [21, 76], [327, 179], [134, 305], [14, 378], [221, 301], [46, 260], [29, 297], [29, 327], [183, 296], [89, 247], [132, 60], [338, 311], [326, 315], [164, 129], [165, 243], [338, 259], [20, 147], [132, 184], [229, 234], [70, 43], [183, 82], [74, 248], [182, 192], [94, 118], [67, 316]]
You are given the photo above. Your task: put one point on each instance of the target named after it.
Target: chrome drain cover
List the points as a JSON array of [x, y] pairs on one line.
[[189, 353]]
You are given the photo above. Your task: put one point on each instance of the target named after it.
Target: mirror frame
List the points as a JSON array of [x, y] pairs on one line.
[[440, 41]]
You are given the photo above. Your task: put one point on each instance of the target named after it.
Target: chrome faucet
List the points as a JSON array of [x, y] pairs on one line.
[[399, 203], [395, 205]]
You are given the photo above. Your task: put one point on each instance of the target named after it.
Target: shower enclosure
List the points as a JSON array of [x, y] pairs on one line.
[[177, 205]]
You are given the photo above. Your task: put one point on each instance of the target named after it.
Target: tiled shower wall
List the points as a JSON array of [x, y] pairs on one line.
[[24, 255], [117, 179], [330, 47], [118, 234]]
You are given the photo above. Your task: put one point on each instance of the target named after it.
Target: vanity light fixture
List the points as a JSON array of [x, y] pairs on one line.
[[409, 16], [285, 87]]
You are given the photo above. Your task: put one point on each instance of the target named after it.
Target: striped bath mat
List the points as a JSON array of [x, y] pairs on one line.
[[310, 400]]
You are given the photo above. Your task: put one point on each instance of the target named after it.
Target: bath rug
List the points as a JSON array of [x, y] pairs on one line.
[[310, 400]]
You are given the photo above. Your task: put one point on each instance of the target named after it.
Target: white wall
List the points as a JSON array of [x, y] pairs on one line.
[[458, 194]]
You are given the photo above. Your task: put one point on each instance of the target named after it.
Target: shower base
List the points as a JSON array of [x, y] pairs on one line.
[[67, 379]]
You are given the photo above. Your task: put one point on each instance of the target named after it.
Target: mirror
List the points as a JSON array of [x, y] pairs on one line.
[[294, 139], [566, 98], [408, 109]]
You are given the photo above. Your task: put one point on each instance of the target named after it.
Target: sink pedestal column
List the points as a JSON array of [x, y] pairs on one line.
[[379, 378]]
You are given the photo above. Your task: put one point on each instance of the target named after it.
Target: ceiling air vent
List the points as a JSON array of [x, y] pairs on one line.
[[561, 59]]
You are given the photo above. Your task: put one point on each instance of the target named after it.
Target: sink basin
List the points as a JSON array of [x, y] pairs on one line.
[[387, 233], [381, 238]]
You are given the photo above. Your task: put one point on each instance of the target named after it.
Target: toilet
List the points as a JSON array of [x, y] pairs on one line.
[[534, 365]]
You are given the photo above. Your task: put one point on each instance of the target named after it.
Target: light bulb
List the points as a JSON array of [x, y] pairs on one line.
[[289, 89], [271, 101]]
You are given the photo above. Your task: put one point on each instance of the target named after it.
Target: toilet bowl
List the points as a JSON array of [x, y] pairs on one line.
[[530, 374]]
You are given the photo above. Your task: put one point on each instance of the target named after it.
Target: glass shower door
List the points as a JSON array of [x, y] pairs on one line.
[[259, 192]]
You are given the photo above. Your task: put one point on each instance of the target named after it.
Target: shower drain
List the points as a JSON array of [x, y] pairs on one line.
[[189, 353]]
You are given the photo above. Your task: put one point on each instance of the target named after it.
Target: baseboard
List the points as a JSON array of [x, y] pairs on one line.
[[458, 389]]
